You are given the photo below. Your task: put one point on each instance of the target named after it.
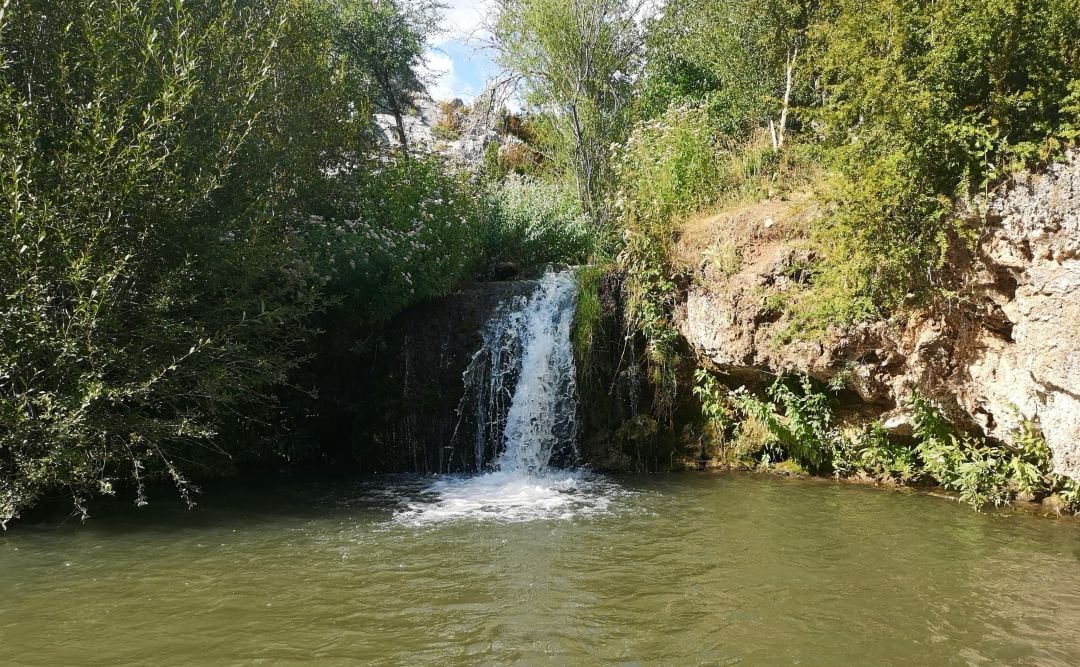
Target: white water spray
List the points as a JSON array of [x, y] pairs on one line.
[[541, 415], [521, 402], [520, 387]]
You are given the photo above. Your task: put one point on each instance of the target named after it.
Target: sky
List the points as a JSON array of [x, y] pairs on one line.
[[455, 65]]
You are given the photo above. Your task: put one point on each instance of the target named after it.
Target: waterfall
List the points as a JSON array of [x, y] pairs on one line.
[[518, 415], [542, 413], [520, 386]]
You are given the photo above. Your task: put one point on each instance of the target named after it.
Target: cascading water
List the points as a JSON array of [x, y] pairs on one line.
[[542, 413], [520, 387], [520, 404]]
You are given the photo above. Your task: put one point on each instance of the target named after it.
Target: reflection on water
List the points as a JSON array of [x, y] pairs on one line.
[[571, 569]]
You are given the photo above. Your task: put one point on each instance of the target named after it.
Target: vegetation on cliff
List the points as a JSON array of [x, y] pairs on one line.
[[890, 115], [795, 428]]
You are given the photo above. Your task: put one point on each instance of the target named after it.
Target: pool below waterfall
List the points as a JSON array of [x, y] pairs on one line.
[[569, 569]]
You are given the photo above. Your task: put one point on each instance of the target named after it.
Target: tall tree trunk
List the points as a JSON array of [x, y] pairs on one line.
[[399, 122], [778, 137]]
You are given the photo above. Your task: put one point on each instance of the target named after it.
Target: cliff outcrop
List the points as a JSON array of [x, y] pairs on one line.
[[1004, 350]]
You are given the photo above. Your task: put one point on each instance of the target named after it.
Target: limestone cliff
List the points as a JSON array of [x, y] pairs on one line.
[[1005, 350]]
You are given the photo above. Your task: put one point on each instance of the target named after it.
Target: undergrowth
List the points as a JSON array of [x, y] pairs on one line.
[[794, 425]]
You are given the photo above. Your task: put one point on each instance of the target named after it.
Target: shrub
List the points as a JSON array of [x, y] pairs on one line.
[[453, 114], [402, 231], [532, 222], [795, 423], [982, 472], [588, 317], [921, 104], [149, 283], [798, 421], [870, 451], [671, 166], [675, 165]]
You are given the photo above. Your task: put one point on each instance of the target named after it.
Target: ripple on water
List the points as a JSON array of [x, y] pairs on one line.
[[510, 497]]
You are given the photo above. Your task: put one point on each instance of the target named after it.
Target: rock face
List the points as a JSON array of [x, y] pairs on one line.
[[391, 406], [1008, 351], [1034, 244]]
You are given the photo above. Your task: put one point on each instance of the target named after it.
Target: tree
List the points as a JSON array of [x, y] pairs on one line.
[[742, 57], [578, 60], [386, 41], [155, 281]]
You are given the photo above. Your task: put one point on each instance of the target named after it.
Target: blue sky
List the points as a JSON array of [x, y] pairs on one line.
[[456, 66]]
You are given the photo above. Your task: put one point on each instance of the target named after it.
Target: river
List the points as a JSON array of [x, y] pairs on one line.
[[573, 569]]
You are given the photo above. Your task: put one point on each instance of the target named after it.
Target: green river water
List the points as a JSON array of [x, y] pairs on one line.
[[679, 569]]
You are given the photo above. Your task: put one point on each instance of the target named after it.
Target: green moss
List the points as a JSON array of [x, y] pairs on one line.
[[588, 319], [789, 467]]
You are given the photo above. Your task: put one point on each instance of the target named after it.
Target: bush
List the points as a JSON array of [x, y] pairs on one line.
[[795, 423], [799, 423], [147, 286], [534, 222], [922, 104], [588, 318], [185, 185], [671, 166], [404, 231], [986, 473]]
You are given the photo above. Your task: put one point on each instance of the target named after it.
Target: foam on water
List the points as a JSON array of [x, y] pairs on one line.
[[504, 496]]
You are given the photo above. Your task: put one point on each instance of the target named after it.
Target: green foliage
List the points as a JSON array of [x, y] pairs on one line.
[[577, 60], [531, 222], [649, 299], [680, 164], [143, 290], [870, 451], [731, 57], [795, 423], [984, 473], [385, 41], [402, 232], [798, 421], [909, 105], [588, 317], [722, 428], [670, 167], [160, 166], [716, 406], [921, 103], [667, 167]]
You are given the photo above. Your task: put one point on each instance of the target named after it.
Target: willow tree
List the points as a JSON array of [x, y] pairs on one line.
[[154, 284], [577, 61]]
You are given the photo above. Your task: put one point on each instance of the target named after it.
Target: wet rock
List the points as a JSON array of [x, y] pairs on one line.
[[392, 400], [505, 271]]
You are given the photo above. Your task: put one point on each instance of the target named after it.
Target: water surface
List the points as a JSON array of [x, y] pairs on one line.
[[680, 569]]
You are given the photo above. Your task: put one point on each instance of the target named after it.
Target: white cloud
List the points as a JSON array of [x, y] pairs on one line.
[[438, 72], [464, 18], [456, 63], [443, 82]]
